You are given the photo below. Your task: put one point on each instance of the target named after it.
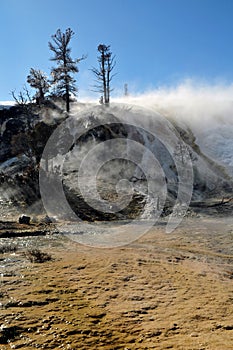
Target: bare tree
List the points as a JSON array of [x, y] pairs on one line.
[[103, 73], [62, 75], [38, 80], [23, 97]]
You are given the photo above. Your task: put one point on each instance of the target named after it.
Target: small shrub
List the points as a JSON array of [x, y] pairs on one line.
[[8, 248], [37, 256]]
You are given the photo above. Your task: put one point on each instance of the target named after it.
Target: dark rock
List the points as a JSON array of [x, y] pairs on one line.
[[48, 220], [9, 333], [23, 219]]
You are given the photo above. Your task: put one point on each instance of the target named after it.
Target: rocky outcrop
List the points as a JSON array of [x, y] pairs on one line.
[[128, 149]]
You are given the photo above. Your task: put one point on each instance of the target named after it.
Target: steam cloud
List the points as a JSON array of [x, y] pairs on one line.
[[206, 109]]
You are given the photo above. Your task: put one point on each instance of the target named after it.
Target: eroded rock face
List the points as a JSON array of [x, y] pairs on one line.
[[9, 128], [101, 156], [22, 129]]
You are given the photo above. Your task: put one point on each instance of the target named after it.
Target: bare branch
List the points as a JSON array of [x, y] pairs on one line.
[[23, 97]]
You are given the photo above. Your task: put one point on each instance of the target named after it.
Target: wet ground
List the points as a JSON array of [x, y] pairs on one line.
[[161, 291]]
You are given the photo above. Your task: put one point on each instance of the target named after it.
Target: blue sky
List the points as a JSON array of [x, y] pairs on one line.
[[156, 42]]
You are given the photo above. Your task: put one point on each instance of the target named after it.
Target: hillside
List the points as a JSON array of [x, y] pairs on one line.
[[113, 163]]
